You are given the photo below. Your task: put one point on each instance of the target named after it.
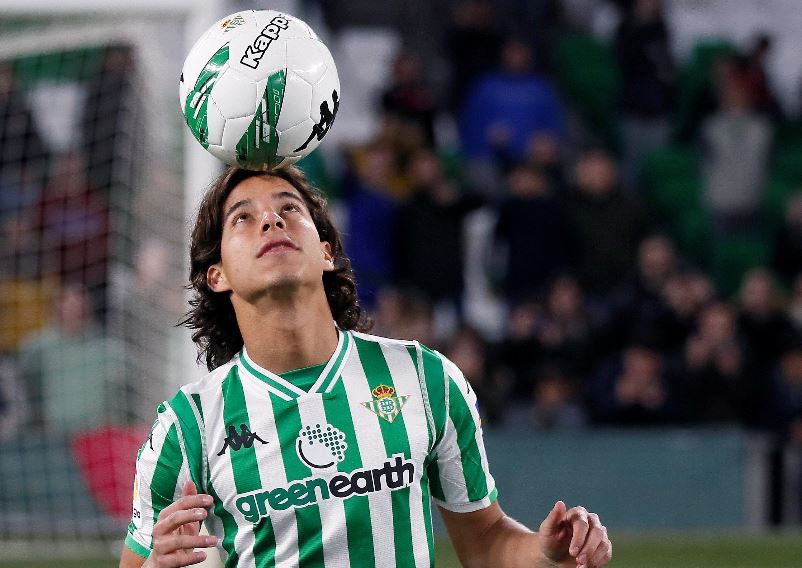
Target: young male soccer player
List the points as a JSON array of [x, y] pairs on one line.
[[311, 443]]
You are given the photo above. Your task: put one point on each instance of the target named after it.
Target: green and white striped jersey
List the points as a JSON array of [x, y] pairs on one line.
[[333, 465]]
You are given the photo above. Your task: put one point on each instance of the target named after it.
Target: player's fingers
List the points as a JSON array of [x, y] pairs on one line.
[[189, 488], [187, 502], [553, 521], [181, 559], [603, 554], [177, 519], [592, 540], [578, 517], [172, 543]]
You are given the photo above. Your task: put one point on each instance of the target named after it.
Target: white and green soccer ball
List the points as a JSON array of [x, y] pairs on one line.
[[259, 89]]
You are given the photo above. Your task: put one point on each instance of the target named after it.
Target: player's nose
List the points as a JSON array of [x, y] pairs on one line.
[[271, 219]]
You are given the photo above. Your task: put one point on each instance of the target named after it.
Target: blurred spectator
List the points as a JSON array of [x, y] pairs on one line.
[[22, 152], [371, 210], [505, 107], [765, 327], [108, 104], [519, 350], [72, 372], [564, 329], [787, 253], [14, 406], [794, 310], [684, 295], [784, 412], [757, 80], [633, 389], [404, 313], [544, 153], [553, 406], [643, 48], [429, 233], [715, 368], [639, 301], [473, 46], [533, 229], [72, 225], [607, 224], [408, 97], [736, 143], [468, 350]]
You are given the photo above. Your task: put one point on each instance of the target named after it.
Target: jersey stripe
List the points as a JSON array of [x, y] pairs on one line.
[[310, 547], [405, 379], [368, 432], [284, 539], [165, 476], [395, 439], [357, 508], [189, 435], [416, 354], [243, 465], [332, 511], [465, 427], [219, 470]]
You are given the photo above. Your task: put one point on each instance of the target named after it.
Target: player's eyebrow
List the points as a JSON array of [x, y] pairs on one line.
[[237, 205], [288, 194]]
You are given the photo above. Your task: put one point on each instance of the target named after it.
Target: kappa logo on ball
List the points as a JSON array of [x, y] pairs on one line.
[[254, 52]]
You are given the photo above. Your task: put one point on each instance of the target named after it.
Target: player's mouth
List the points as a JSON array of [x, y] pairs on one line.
[[277, 246]]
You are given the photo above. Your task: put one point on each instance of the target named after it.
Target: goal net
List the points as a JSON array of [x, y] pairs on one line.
[[93, 240]]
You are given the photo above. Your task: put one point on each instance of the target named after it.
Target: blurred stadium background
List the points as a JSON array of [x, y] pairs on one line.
[[591, 206]]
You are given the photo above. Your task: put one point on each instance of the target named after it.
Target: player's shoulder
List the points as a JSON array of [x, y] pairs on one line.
[[187, 396], [210, 381], [384, 341]]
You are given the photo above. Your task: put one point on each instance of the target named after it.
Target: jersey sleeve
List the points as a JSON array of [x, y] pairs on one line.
[[459, 475], [161, 470]]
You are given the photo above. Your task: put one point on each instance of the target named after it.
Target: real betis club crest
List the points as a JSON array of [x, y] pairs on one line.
[[385, 404]]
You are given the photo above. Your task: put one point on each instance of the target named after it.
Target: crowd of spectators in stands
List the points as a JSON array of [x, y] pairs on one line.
[[609, 316]]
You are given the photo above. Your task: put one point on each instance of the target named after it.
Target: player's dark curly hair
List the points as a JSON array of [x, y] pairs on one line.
[[212, 315]]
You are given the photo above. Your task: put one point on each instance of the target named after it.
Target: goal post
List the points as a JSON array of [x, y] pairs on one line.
[[98, 182]]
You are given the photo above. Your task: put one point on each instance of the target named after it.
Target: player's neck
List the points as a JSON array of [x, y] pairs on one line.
[[285, 335]]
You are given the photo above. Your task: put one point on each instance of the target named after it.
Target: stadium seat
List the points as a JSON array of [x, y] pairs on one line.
[[735, 256], [672, 180], [590, 79]]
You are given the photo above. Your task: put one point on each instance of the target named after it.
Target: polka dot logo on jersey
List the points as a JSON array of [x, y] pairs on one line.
[[321, 446]]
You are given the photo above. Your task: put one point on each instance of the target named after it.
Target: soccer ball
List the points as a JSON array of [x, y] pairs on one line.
[[259, 89]]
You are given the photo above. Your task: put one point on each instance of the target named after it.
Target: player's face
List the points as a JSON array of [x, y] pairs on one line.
[[269, 241]]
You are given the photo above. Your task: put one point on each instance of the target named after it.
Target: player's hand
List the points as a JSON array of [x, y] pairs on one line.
[[575, 538], [175, 535]]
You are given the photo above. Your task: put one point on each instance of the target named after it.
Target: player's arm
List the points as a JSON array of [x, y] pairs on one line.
[[175, 535], [567, 539], [464, 490], [167, 509]]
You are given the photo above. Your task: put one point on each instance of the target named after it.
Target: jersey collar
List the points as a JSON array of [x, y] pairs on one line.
[[284, 389]]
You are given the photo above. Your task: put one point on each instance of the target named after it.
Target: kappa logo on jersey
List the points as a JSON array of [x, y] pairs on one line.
[[396, 473], [321, 447], [385, 404], [235, 441]]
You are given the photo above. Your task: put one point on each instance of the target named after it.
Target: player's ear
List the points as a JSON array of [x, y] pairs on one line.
[[328, 256], [217, 279]]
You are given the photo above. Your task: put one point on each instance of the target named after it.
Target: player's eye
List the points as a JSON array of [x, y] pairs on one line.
[[290, 207], [241, 217]]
